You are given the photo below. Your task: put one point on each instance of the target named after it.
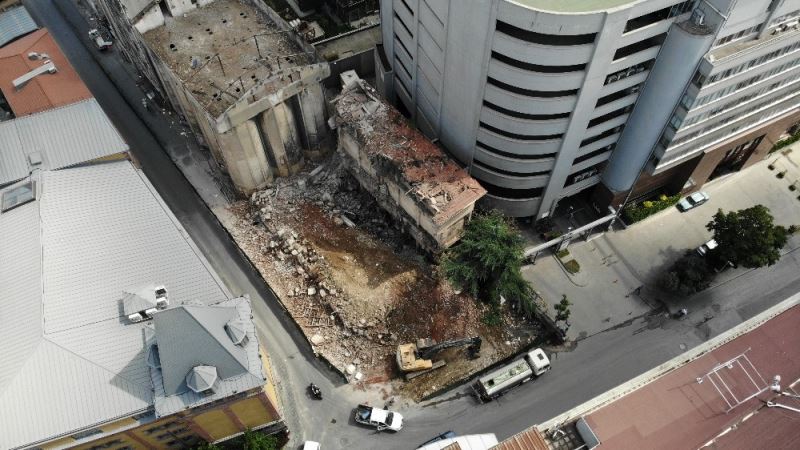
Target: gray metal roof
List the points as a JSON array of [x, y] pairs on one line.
[[238, 366], [201, 329], [62, 137], [15, 22], [70, 358], [202, 378]]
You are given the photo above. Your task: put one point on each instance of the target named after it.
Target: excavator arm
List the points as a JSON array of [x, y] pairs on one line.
[[474, 343]]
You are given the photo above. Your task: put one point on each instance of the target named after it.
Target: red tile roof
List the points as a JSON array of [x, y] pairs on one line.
[[45, 91], [530, 439], [675, 411]]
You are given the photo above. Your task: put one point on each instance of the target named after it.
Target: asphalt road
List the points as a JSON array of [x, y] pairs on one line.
[[597, 364]]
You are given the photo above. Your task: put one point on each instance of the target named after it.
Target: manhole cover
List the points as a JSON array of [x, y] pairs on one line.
[[683, 347]]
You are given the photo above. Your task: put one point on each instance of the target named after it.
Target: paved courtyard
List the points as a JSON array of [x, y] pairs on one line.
[[620, 269]]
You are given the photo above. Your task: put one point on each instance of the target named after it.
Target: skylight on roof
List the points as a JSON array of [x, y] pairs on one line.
[[18, 196]]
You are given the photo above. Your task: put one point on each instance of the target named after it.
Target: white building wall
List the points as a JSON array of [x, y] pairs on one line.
[[512, 91]]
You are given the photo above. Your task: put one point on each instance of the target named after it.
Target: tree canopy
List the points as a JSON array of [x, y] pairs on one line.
[[487, 261], [747, 237]]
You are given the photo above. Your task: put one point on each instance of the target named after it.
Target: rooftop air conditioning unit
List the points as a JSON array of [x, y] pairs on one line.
[[135, 318], [162, 301], [150, 312]]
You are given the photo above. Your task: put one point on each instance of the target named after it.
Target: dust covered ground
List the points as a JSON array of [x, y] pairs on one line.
[[356, 285]]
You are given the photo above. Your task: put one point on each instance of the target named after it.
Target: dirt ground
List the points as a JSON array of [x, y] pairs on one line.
[[356, 285]]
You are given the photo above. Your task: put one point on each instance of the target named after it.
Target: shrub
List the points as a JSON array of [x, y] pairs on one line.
[[786, 142], [572, 266], [563, 253], [781, 174], [634, 213]]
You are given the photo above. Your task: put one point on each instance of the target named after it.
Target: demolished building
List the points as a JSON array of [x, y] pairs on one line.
[[246, 83], [412, 178]]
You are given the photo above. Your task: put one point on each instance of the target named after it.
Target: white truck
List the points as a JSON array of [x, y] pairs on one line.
[[520, 371], [382, 419]]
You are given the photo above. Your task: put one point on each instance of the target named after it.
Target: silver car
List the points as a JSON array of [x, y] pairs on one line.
[[693, 201]]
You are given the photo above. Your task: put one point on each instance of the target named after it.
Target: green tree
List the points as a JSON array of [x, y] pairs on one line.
[[687, 275], [747, 237], [208, 446], [562, 309], [487, 261], [254, 440]]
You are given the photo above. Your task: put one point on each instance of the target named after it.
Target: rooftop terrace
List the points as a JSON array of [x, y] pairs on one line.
[[222, 50]]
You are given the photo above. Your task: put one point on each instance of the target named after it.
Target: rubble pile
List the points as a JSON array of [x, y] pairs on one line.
[[350, 278]]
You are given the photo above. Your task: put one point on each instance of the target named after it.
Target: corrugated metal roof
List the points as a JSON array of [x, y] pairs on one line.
[[45, 91], [63, 137], [201, 329], [226, 385], [70, 359], [530, 439], [15, 22]]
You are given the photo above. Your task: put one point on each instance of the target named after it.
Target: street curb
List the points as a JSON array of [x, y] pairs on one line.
[[664, 368]]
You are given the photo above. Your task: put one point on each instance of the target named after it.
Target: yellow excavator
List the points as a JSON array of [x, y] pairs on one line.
[[414, 359]]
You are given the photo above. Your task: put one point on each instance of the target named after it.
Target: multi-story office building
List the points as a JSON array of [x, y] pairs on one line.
[[535, 96], [531, 95], [724, 89]]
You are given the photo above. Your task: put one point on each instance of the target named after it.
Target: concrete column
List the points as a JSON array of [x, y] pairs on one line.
[[672, 72], [605, 47], [272, 134], [245, 158], [312, 109]]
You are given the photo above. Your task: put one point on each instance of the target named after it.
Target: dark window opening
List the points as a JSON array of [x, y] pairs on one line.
[[544, 39], [408, 8], [404, 25], [528, 92], [591, 155], [504, 192], [629, 72], [491, 149], [521, 137], [657, 16], [508, 172], [403, 66], [609, 116], [602, 135], [397, 39], [639, 46], [616, 95], [536, 67], [584, 174], [520, 115]]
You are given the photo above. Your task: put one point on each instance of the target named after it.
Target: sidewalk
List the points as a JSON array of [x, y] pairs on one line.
[[615, 264]]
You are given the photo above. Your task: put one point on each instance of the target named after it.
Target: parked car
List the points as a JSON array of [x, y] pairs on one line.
[[693, 201], [311, 445], [441, 437], [382, 419], [707, 247]]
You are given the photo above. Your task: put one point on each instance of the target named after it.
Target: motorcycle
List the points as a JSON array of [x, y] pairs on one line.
[[315, 391]]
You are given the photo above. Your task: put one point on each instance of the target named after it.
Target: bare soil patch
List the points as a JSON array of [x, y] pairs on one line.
[[358, 291]]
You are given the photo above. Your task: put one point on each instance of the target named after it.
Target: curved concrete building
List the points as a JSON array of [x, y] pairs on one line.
[[530, 95]]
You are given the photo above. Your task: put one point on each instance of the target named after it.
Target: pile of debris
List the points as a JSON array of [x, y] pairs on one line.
[[350, 278]]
